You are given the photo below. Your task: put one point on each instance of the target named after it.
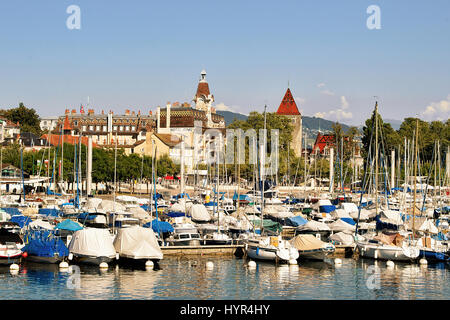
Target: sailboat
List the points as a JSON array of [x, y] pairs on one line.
[[390, 245], [269, 248]]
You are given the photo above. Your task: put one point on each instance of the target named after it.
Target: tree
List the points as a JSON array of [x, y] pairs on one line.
[[27, 118]]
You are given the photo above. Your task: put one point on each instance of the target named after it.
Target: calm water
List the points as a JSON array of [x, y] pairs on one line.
[[188, 278]]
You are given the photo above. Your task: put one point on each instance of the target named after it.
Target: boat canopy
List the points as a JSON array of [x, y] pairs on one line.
[[69, 225], [159, 226], [21, 220], [198, 212], [342, 226], [50, 212], [306, 242], [40, 224], [313, 225], [137, 243], [268, 224], [44, 244], [92, 242], [342, 238], [296, 221]]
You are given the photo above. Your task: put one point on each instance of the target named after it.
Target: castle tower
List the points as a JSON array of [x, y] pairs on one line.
[[203, 98], [288, 108]]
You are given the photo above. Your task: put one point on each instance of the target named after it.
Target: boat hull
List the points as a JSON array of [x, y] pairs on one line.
[[388, 252], [10, 260], [434, 256], [92, 260], [190, 242], [54, 259], [318, 254]]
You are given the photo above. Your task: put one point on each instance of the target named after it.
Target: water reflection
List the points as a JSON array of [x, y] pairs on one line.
[[231, 278]]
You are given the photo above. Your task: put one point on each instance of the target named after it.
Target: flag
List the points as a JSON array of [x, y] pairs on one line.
[[81, 109]]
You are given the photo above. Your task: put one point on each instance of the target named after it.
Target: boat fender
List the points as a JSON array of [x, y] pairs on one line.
[[423, 261], [14, 267], [209, 265], [390, 263], [251, 264], [103, 265], [70, 256], [117, 256]]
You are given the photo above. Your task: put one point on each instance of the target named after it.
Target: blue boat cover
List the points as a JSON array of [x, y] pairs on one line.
[[12, 211], [349, 221], [211, 204], [159, 226], [44, 244], [21, 220], [68, 225], [50, 212], [86, 216], [174, 214], [242, 197], [327, 208], [296, 221]]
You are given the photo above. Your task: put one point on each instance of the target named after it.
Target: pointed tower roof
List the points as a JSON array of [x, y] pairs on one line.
[[203, 87], [67, 125], [288, 105]]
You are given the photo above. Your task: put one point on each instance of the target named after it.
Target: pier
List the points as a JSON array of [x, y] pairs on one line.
[[234, 249]]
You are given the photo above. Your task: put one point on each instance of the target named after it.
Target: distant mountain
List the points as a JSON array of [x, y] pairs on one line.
[[311, 125], [231, 116], [395, 124]]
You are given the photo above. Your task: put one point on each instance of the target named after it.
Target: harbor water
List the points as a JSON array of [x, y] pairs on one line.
[[230, 278]]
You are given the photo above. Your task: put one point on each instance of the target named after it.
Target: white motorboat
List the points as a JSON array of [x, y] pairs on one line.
[[271, 248], [92, 246]]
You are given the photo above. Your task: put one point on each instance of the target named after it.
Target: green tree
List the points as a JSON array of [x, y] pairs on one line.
[[27, 118]]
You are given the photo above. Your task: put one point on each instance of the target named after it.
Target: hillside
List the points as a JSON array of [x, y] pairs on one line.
[[311, 125]]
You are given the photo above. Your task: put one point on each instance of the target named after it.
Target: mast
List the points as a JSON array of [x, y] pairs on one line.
[[415, 175], [376, 158], [263, 155], [115, 183]]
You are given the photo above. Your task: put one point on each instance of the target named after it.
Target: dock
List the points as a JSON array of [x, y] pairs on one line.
[[233, 249]]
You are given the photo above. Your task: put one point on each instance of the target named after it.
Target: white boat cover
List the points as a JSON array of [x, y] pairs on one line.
[[278, 212], [137, 243], [363, 215], [30, 211], [108, 205], [340, 213], [198, 212], [176, 207], [391, 216], [138, 212], [313, 226], [349, 207], [92, 242], [342, 226], [36, 224], [428, 226], [343, 238], [93, 203], [323, 202], [307, 242]]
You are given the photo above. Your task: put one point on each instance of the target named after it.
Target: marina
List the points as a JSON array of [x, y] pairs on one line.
[[250, 152]]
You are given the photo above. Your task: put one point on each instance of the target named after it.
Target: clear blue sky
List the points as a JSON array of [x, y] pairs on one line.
[[140, 54]]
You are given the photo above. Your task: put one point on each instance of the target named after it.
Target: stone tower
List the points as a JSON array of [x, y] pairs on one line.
[[288, 108]]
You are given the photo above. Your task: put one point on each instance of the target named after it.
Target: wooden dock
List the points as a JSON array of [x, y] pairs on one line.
[[344, 250], [234, 249]]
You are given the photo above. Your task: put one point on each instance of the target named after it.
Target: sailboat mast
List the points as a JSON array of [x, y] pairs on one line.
[[263, 163], [415, 175], [376, 157]]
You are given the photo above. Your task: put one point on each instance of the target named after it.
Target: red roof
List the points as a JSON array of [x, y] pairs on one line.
[[288, 105], [67, 125], [202, 90], [323, 141], [55, 139]]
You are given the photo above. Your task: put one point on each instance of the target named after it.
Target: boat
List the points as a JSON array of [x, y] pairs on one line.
[[137, 245], [218, 237], [92, 246], [311, 248], [270, 248], [10, 247], [184, 234], [44, 246], [388, 247]]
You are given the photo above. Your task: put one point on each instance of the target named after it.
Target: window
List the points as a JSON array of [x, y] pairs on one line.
[[127, 128], [121, 128], [84, 128], [114, 128], [133, 128], [104, 128], [97, 128], [91, 128]]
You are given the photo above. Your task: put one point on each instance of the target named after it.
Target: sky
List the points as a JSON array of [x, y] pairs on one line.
[[138, 55]]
